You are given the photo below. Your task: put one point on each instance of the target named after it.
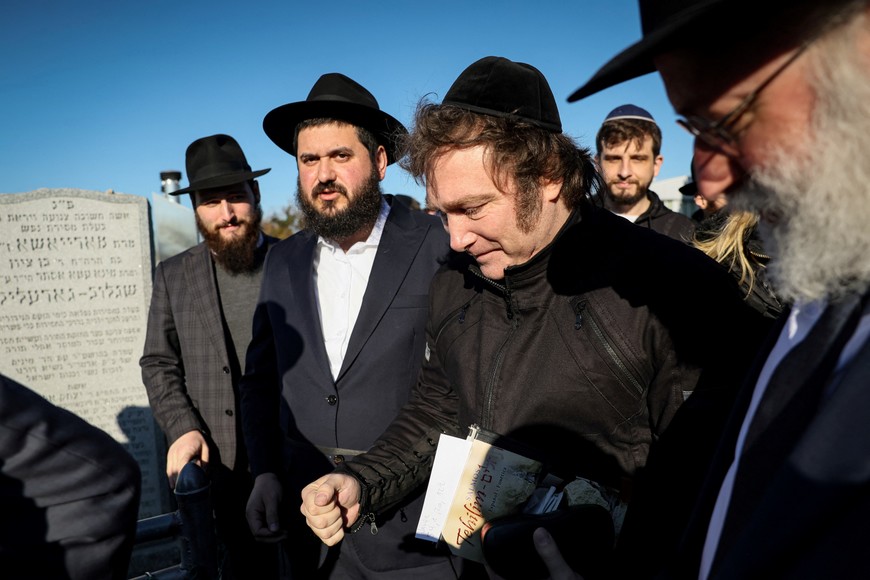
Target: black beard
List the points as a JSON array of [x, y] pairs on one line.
[[338, 225], [237, 255]]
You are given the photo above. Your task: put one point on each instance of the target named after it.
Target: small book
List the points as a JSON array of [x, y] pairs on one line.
[[477, 479]]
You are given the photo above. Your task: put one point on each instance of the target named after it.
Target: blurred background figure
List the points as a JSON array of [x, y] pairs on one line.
[[707, 204], [629, 157], [731, 238]]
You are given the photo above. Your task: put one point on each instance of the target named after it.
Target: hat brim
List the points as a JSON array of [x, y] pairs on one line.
[[221, 181], [637, 59], [280, 123], [690, 189]]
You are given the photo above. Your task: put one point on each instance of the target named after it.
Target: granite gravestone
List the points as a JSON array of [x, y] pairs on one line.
[[75, 286]]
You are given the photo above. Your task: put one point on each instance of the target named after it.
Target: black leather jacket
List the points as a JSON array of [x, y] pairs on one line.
[[583, 353]]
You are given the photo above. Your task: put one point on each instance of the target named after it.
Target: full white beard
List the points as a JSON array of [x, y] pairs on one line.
[[818, 192]]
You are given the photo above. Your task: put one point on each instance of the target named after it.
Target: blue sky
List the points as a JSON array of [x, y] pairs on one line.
[[99, 94]]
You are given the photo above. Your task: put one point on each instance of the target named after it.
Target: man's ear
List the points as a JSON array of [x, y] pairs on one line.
[[551, 190], [658, 165], [255, 188], [381, 161]]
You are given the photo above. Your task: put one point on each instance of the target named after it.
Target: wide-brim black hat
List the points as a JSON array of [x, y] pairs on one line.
[[690, 188], [663, 24], [216, 161], [500, 87], [335, 96]]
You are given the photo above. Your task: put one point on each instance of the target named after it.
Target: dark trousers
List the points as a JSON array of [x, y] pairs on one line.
[[242, 557]]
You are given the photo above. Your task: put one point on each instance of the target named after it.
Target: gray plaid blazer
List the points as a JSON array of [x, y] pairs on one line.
[[185, 364]]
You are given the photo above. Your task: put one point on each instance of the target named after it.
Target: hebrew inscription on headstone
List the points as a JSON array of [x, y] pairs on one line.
[[75, 285]]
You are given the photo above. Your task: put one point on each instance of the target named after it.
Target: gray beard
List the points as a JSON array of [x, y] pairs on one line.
[[814, 202]]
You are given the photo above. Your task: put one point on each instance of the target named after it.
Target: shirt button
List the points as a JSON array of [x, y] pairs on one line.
[[229, 412], [226, 370], [338, 459], [332, 399]]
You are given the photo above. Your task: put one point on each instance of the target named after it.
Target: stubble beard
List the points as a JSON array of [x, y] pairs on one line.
[[336, 225], [237, 254], [816, 201], [622, 203]]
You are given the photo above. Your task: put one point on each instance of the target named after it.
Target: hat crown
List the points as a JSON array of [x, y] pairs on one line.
[[663, 23], [215, 156], [335, 96], [655, 13], [216, 161], [497, 86], [338, 87]]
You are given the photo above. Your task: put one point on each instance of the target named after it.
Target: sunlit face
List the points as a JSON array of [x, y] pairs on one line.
[[481, 219], [628, 171], [334, 166], [228, 212], [229, 220], [793, 158], [778, 118]]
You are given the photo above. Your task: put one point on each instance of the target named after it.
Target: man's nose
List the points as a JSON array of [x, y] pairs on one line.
[[461, 238], [325, 170], [226, 210], [715, 172]]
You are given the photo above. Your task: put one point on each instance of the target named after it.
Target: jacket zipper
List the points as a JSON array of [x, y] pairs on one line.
[[490, 384], [460, 317], [601, 336], [489, 392]]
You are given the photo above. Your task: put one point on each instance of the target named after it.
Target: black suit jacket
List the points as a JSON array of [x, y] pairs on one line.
[[811, 512], [290, 402], [69, 492]]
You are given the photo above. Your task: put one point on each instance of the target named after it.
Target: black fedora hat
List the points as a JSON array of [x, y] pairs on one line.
[[663, 24], [497, 86], [335, 96], [216, 161], [671, 24], [690, 188]]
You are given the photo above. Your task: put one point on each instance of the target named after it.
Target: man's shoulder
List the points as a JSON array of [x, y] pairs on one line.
[[454, 278], [604, 241], [293, 242], [179, 260], [410, 224], [403, 216], [664, 220]]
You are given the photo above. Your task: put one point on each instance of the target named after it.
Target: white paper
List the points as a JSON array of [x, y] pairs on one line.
[[446, 469]]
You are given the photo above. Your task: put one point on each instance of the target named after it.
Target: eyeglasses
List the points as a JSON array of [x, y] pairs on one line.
[[719, 134]]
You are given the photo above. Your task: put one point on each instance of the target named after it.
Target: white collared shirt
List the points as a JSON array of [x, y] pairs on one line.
[[341, 280], [802, 318]]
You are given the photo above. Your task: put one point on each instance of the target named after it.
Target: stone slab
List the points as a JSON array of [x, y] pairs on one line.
[[75, 287]]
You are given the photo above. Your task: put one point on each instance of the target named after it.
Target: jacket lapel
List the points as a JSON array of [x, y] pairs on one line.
[[199, 277], [792, 400], [303, 298], [688, 562], [400, 242]]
